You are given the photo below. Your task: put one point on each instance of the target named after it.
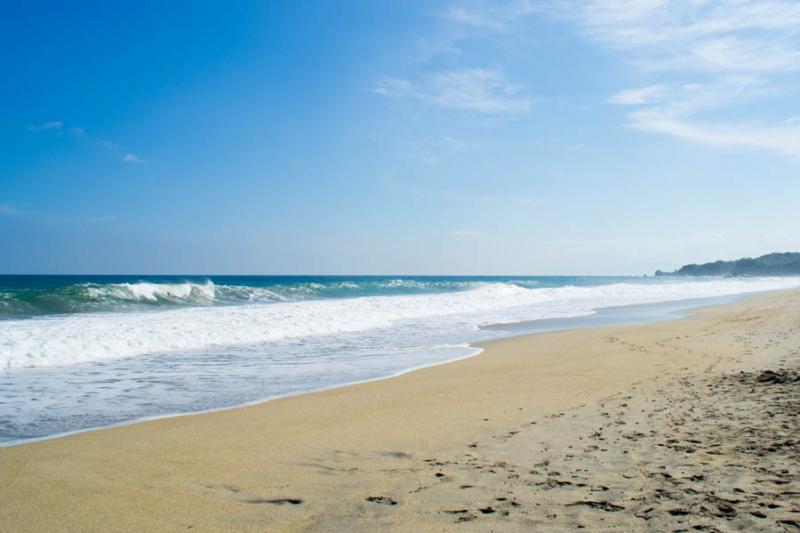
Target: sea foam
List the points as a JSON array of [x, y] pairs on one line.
[[75, 338], [153, 292]]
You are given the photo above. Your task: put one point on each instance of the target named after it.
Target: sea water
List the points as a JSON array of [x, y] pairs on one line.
[[83, 352]]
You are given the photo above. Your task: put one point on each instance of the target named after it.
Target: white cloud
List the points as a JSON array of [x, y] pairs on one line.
[[642, 95], [678, 112], [132, 158], [726, 52], [675, 27], [393, 87], [479, 90], [689, 98], [52, 125], [446, 80], [477, 19], [692, 57], [6, 209], [493, 16], [735, 54], [782, 139]]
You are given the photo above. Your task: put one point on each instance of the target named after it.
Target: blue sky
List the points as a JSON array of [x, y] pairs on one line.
[[460, 137]]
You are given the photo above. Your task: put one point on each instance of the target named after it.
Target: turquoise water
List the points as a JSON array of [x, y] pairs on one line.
[[82, 352], [27, 296]]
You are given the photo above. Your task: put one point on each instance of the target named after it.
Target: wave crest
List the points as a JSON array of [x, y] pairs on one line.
[[153, 292], [92, 297]]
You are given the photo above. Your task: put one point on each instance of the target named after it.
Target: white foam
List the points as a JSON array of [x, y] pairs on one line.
[[178, 293], [68, 339], [153, 292]]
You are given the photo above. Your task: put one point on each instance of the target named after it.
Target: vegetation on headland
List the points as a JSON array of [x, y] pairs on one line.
[[777, 264]]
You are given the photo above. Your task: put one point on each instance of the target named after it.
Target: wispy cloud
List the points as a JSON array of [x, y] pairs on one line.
[[394, 88], [6, 209], [677, 111], [703, 35], [641, 95], [478, 19], [726, 52], [51, 125], [783, 139], [696, 56], [81, 134], [479, 90], [132, 158], [444, 74], [493, 16]]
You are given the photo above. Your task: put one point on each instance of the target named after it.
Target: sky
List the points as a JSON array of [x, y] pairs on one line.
[[397, 137]]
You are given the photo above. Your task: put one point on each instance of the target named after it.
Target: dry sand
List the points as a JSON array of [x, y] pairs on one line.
[[662, 427]]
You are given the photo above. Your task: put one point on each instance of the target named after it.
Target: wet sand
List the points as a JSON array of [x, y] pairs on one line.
[[675, 425]]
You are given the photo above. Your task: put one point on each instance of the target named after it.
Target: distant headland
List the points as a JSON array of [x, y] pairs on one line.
[[778, 264]]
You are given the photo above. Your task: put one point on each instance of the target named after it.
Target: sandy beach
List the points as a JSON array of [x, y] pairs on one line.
[[688, 424]]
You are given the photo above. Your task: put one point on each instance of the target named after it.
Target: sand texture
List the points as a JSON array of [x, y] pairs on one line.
[[687, 425]]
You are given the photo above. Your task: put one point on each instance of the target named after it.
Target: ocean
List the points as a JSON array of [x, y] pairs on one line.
[[84, 352]]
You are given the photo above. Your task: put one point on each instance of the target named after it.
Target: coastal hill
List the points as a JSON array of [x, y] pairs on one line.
[[778, 264]]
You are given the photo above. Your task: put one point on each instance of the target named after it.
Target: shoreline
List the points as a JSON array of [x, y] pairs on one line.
[[679, 309], [291, 462]]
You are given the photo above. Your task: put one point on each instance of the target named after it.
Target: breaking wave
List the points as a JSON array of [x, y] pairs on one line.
[[264, 315], [90, 297]]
